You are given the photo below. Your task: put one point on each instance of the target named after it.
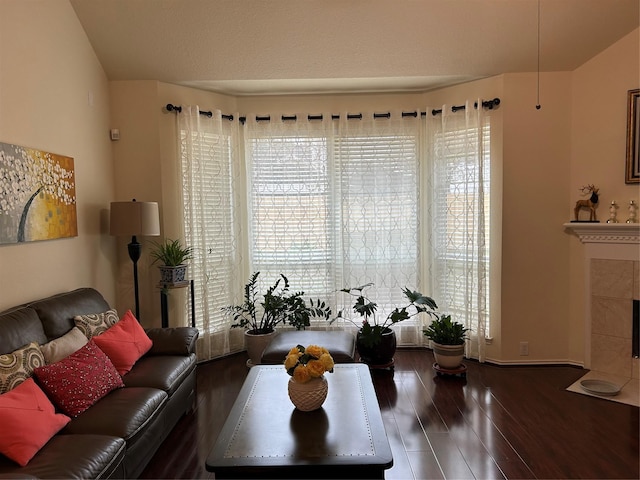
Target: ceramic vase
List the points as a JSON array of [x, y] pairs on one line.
[[310, 395]]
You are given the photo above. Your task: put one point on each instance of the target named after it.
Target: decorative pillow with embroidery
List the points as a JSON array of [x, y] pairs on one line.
[[62, 347], [80, 380], [124, 343], [17, 366], [28, 421], [96, 323]]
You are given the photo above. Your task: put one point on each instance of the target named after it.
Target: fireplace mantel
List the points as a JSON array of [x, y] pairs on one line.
[[605, 232]]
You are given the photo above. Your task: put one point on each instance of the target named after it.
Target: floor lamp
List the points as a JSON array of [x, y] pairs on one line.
[[134, 218]]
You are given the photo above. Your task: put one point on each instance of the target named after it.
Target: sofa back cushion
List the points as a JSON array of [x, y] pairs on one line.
[[18, 327], [56, 312]]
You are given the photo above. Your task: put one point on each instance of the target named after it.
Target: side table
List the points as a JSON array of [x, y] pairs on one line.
[[164, 301]]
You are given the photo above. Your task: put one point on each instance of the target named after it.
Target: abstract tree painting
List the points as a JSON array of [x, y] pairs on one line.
[[37, 195]]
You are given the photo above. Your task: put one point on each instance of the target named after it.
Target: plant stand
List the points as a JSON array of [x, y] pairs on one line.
[[164, 301], [461, 370]]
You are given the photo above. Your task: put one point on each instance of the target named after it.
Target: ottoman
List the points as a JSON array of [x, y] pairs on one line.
[[341, 345]]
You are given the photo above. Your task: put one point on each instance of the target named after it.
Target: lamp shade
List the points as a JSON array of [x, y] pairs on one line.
[[134, 218]]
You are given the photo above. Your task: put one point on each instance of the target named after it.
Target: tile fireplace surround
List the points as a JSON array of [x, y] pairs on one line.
[[612, 267]]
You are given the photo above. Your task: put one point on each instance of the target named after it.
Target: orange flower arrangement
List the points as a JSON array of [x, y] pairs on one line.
[[303, 364]]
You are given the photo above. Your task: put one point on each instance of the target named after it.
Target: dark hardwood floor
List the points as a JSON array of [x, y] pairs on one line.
[[499, 422]]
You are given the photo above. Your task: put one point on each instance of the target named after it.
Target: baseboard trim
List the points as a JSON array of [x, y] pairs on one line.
[[551, 362]]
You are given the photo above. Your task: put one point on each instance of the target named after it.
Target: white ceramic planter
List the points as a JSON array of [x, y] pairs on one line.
[[448, 356], [256, 343]]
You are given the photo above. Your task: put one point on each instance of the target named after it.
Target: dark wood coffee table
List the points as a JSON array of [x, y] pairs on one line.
[[265, 436]]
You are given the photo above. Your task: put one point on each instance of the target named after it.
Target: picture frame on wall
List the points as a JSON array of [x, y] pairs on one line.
[[633, 137]]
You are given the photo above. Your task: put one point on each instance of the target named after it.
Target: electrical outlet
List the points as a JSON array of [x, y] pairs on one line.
[[524, 348]]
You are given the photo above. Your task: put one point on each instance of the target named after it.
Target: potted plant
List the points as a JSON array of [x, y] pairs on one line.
[[260, 314], [173, 256], [448, 339], [375, 340]]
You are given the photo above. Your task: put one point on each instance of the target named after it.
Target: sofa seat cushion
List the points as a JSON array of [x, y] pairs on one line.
[[341, 345], [72, 456], [124, 413], [163, 372]]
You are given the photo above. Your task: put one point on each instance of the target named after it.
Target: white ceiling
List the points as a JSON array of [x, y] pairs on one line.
[[248, 47]]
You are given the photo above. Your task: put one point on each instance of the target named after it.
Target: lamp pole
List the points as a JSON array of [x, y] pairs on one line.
[[135, 249]]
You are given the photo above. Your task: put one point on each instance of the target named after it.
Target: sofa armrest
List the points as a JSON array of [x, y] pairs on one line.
[[173, 341]]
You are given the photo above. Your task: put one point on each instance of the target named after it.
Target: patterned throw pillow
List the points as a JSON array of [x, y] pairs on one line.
[[96, 323], [124, 343], [62, 347], [80, 380], [17, 366], [28, 422]]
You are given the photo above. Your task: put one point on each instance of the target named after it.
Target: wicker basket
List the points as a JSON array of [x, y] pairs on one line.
[[310, 395]]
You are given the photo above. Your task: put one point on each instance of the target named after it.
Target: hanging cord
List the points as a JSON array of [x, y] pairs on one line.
[[488, 104], [538, 80]]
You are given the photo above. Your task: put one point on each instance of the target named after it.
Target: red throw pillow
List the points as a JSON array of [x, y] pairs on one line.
[[80, 380], [28, 421], [124, 343]]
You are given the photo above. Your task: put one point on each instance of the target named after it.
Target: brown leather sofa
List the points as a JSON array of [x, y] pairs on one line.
[[118, 435]]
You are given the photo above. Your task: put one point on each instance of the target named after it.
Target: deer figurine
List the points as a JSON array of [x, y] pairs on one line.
[[590, 203]]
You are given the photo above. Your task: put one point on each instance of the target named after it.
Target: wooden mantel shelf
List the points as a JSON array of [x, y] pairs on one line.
[[605, 232]]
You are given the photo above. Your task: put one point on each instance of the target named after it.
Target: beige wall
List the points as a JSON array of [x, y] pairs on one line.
[[598, 150], [54, 97], [146, 151], [535, 274]]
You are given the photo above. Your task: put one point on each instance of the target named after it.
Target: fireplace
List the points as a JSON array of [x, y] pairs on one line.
[[612, 266]]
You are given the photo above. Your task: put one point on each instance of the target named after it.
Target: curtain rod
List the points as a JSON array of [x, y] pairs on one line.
[[488, 104]]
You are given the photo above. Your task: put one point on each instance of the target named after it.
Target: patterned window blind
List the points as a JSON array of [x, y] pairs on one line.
[[395, 201]]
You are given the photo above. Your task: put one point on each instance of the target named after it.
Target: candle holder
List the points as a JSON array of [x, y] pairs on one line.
[[612, 212], [632, 212]]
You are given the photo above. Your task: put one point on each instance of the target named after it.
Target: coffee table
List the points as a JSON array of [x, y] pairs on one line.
[[265, 436]]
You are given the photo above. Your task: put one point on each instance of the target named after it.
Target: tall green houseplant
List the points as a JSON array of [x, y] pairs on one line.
[[173, 255]]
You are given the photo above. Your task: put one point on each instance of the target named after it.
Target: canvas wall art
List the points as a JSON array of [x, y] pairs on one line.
[[37, 195]]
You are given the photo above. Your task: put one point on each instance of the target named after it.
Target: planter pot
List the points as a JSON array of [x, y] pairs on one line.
[[172, 275], [310, 395], [448, 356], [256, 343], [380, 355]]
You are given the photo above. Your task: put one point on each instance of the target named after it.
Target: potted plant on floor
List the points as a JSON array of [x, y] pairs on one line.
[[448, 338], [173, 255], [260, 314], [375, 340]]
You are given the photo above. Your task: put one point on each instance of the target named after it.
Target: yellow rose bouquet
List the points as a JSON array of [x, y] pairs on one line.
[[303, 364]]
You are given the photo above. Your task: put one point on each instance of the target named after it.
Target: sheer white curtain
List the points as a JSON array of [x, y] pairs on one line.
[[334, 204], [291, 202], [401, 200], [458, 153], [377, 183], [212, 185]]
